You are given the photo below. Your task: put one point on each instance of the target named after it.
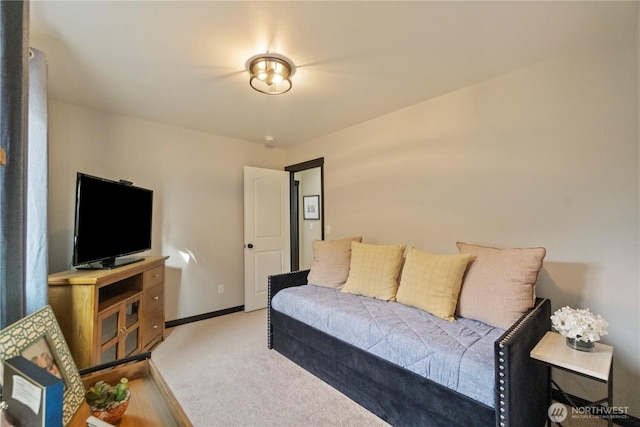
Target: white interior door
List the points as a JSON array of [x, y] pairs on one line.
[[266, 232]]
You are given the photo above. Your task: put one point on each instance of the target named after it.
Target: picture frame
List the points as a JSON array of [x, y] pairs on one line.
[[311, 207], [38, 336]]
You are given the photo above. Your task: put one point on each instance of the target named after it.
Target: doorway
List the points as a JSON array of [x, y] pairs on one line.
[[307, 210]]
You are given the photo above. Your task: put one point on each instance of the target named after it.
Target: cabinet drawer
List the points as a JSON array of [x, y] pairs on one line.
[[154, 313], [153, 277]]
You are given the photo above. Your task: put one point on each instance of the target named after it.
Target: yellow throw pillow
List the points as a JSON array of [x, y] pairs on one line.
[[374, 270], [499, 286], [331, 260], [432, 282]]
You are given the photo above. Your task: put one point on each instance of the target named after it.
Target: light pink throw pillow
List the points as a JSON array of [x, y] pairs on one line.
[[499, 284], [331, 260]]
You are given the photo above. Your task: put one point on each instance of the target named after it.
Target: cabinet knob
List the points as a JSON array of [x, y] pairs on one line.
[[156, 298], [155, 326], [155, 276]]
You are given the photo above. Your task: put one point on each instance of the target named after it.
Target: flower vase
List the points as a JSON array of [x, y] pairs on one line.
[[113, 414], [580, 345]]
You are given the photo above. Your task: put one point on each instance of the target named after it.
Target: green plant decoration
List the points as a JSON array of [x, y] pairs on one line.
[[102, 396]]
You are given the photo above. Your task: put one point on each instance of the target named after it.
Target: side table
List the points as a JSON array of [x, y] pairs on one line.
[[596, 365]]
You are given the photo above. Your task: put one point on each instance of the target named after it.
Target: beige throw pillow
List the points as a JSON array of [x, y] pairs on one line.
[[499, 285], [432, 282], [331, 260], [374, 270]]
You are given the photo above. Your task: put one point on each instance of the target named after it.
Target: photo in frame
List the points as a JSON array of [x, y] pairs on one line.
[[38, 338], [311, 207]]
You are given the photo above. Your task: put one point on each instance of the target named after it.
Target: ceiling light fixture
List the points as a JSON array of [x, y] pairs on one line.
[[270, 73]]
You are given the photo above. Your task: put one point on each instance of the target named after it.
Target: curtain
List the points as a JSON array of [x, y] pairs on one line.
[[37, 185], [23, 185]]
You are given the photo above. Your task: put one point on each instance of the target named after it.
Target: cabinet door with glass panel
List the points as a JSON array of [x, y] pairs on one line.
[[118, 329]]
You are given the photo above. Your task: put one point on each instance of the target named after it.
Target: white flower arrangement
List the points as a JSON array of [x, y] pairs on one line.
[[580, 324]]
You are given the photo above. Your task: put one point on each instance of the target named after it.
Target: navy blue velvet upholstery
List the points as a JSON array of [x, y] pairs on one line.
[[403, 398]]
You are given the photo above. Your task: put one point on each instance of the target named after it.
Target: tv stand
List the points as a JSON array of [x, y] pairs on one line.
[[109, 264], [106, 315]]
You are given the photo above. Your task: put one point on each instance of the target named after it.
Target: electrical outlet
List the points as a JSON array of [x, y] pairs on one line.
[[221, 289]]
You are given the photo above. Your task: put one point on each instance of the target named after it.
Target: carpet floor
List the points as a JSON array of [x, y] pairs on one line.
[[223, 374]]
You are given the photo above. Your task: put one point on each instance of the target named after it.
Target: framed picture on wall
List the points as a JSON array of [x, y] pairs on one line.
[[311, 207]]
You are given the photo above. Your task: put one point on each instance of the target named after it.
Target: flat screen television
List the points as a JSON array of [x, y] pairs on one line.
[[112, 220]]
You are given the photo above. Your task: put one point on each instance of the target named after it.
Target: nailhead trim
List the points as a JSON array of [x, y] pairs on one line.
[[269, 305], [269, 314], [501, 360]]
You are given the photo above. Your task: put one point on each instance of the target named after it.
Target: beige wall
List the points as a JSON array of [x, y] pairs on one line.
[[547, 155], [544, 156], [198, 197]]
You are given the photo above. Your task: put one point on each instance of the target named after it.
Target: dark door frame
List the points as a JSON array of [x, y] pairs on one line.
[[294, 211]]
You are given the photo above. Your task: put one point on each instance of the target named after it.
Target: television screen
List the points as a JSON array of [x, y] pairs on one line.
[[113, 219]]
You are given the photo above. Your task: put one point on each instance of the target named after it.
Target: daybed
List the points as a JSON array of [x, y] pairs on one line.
[[518, 389]]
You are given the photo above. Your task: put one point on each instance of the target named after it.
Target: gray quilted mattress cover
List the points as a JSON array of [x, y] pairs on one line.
[[458, 355]]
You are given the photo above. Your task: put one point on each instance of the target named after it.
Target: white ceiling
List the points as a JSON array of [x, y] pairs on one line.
[[183, 63]]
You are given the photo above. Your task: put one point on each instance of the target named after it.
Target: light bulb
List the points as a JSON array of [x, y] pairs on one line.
[[270, 74]]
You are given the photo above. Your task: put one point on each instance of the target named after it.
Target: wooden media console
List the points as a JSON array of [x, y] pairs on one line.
[[107, 315]]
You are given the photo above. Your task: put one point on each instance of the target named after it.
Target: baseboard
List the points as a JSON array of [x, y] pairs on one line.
[[629, 421], [204, 316]]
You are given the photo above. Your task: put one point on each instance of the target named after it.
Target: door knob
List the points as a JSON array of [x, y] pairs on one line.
[[250, 245]]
